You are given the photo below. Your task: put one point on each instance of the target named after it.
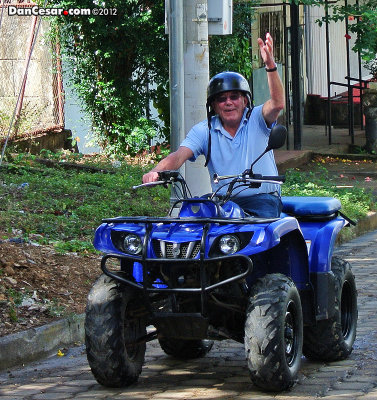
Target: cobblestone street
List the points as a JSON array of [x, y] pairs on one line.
[[223, 373]]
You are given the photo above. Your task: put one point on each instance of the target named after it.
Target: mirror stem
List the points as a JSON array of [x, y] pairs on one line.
[[258, 158]]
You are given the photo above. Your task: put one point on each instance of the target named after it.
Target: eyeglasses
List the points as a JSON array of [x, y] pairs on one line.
[[232, 97]]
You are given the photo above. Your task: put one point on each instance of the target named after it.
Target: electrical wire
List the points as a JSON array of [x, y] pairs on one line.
[[176, 188]]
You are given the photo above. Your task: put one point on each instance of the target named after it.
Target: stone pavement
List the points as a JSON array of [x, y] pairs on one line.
[[222, 374]]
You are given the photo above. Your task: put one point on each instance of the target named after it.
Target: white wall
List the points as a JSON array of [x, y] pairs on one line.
[[75, 117]]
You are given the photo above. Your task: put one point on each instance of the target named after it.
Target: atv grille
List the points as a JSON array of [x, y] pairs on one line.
[[164, 249]]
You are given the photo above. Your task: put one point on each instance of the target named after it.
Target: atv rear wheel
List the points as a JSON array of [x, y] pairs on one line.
[[332, 339], [185, 349], [273, 333], [110, 329]]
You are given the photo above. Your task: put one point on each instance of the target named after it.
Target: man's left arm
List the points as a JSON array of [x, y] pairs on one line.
[[276, 103]]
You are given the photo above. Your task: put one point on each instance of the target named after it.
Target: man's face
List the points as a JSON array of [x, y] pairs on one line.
[[230, 107]]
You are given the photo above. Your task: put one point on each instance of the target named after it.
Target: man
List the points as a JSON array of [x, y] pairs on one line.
[[237, 133]]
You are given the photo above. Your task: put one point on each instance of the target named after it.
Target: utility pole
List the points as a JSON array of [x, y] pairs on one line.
[[196, 77], [176, 77], [176, 73], [189, 73]]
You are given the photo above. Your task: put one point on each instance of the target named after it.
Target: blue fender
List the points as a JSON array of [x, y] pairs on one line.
[[268, 235], [320, 238]]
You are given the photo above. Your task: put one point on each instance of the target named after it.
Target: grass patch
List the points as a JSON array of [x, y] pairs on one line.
[[64, 207], [55, 205], [356, 202]]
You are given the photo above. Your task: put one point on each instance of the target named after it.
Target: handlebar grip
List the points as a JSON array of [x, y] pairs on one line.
[[280, 178], [167, 175]]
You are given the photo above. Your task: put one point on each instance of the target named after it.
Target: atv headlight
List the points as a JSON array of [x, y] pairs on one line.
[[229, 244], [132, 244]]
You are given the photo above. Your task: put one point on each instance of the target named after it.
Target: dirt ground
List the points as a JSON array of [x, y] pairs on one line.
[[38, 285]]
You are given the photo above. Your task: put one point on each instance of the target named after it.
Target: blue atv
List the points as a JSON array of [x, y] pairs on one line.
[[213, 272]]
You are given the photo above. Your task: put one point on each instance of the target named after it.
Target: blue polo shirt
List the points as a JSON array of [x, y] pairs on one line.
[[232, 155]]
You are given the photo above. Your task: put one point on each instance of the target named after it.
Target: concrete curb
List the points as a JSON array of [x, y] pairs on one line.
[[284, 159], [33, 344], [369, 223]]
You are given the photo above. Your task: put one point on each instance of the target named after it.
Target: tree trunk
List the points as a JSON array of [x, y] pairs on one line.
[[370, 112]]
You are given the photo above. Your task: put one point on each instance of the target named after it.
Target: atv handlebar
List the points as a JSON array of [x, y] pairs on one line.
[[149, 184], [253, 178], [247, 178], [165, 178]]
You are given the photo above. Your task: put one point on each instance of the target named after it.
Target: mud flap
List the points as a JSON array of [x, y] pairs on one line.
[[324, 289]]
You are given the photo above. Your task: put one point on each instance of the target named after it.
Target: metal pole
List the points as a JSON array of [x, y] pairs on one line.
[[196, 64], [20, 92], [59, 85], [350, 89], [32, 38], [286, 76], [2, 12], [296, 76], [328, 113], [360, 78]]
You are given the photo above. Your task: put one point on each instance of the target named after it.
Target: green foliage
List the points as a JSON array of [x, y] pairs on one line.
[[65, 207], [116, 59], [13, 314], [54, 308], [73, 246], [15, 296], [233, 52]]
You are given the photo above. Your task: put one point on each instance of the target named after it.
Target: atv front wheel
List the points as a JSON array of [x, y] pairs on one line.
[[185, 349], [332, 339], [111, 329], [273, 333]]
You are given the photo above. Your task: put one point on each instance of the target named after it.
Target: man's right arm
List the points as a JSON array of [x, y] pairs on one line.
[[172, 162]]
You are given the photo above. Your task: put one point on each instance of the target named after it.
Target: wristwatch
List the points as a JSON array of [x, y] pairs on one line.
[[271, 69]]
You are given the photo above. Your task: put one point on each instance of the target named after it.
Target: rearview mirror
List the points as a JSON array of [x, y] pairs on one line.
[[277, 137]]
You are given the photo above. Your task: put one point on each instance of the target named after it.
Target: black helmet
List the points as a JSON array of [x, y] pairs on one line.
[[225, 82]]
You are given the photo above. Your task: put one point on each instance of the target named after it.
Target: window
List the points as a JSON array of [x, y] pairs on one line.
[[272, 22]]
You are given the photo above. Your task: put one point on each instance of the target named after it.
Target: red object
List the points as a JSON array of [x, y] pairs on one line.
[[347, 36]]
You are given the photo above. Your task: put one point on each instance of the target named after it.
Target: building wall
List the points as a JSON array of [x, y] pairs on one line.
[[317, 58], [40, 97], [316, 53]]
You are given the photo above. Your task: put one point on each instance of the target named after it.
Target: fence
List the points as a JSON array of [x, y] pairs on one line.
[[31, 94]]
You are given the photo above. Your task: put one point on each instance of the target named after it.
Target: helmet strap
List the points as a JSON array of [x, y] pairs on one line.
[[209, 117], [251, 106]]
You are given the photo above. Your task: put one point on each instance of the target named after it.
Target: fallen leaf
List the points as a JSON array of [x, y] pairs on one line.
[[60, 353]]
